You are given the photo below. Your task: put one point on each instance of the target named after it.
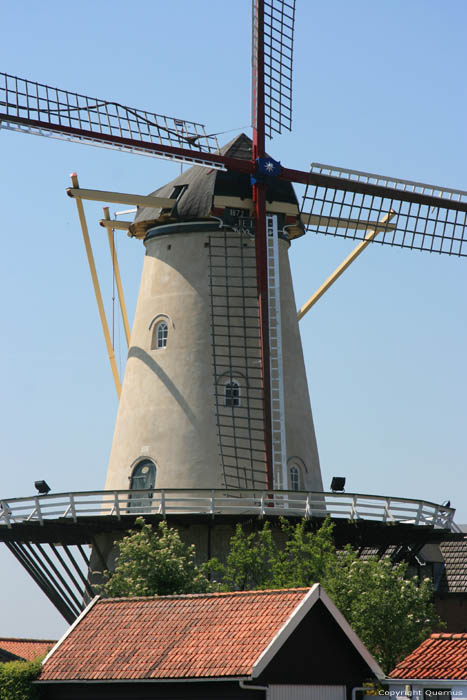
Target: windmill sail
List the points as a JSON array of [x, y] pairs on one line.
[[278, 20], [427, 217], [36, 108]]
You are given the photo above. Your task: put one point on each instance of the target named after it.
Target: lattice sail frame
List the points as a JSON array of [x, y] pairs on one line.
[[278, 39], [427, 217], [34, 107]]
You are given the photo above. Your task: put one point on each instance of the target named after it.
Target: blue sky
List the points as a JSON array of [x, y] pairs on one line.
[[378, 86]]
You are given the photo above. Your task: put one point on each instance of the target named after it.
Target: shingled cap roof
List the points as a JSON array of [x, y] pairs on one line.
[[27, 649], [220, 635], [202, 184], [440, 657]]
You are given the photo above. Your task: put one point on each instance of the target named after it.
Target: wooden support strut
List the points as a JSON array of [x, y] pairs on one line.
[[345, 264], [122, 198], [115, 224], [116, 270], [95, 282]]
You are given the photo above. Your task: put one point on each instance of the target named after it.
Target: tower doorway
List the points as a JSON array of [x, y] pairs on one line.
[[143, 477]]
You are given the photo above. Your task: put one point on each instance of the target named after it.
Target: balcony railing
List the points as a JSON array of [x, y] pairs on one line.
[[350, 506]]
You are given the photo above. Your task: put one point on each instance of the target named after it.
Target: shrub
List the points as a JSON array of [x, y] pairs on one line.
[[16, 680]]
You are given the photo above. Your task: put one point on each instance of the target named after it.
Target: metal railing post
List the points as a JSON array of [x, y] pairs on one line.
[[38, 510], [386, 511], [307, 507], [73, 509], [117, 505]]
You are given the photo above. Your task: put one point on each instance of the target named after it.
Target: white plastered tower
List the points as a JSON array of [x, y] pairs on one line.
[[191, 407]]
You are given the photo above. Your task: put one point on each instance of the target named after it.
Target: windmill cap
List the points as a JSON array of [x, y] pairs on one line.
[[198, 188]]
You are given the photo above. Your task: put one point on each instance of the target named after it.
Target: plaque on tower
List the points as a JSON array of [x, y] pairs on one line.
[[239, 220]]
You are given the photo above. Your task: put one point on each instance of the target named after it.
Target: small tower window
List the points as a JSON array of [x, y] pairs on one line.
[[177, 193], [232, 394], [295, 478], [161, 332]]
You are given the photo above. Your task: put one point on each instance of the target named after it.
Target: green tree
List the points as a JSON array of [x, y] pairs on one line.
[[251, 562], [390, 613], [16, 677], [154, 563], [255, 561], [307, 555]]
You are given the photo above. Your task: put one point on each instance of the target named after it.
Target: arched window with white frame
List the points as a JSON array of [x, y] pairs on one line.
[[160, 335], [232, 394], [295, 478]]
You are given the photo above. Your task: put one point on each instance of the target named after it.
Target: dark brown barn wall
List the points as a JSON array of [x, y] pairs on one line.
[[150, 691], [317, 652]]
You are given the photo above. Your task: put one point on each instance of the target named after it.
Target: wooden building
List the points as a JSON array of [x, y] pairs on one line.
[[274, 644]]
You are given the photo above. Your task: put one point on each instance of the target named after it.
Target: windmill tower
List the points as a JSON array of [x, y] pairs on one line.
[[214, 404], [191, 412]]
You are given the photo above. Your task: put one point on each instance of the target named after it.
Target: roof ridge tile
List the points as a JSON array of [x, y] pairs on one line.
[[216, 594], [25, 639]]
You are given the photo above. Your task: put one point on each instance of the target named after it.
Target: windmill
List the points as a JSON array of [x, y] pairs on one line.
[[350, 204]]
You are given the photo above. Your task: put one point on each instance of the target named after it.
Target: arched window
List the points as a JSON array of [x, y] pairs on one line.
[[295, 477], [232, 394], [160, 335], [142, 477]]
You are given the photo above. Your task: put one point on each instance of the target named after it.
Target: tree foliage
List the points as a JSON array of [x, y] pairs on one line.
[[250, 563], [255, 561], [16, 677], [390, 613], [307, 555], [155, 563]]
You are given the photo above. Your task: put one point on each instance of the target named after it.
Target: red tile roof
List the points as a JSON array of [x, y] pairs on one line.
[[28, 649], [189, 636], [441, 656]]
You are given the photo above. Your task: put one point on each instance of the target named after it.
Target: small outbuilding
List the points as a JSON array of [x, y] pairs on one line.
[[435, 670], [288, 644]]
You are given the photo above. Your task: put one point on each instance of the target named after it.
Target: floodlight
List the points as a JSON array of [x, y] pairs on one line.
[[337, 483], [42, 487]]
